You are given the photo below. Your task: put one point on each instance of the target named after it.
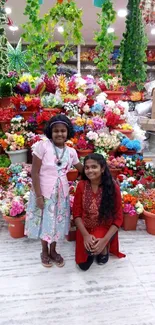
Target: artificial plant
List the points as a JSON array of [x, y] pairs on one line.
[[133, 48], [105, 40], [16, 57], [3, 41], [42, 50]]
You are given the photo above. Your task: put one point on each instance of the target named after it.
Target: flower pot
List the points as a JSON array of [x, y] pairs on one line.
[[26, 114], [18, 156], [130, 152], [53, 111], [115, 172], [15, 226], [5, 126], [84, 153], [114, 95], [150, 222], [5, 102], [130, 222], [72, 175], [128, 133]]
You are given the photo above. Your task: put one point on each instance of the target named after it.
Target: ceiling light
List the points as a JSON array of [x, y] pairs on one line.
[[13, 28], [60, 29], [122, 13], [110, 30], [8, 10], [153, 31]]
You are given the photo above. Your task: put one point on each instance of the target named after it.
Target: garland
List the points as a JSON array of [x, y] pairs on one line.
[[105, 41], [42, 50], [133, 48]]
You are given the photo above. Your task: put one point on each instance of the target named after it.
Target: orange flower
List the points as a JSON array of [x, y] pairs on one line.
[[123, 148], [3, 144]]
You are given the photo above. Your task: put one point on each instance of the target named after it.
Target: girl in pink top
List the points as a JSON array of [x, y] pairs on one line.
[[48, 212]]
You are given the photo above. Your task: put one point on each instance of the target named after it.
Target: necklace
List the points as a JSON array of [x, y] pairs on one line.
[[59, 159]]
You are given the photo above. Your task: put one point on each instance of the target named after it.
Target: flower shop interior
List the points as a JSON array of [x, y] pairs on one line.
[[93, 61]]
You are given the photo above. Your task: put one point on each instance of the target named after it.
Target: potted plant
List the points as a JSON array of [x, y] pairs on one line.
[[14, 146], [72, 175], [84, 147], [129, 147], [132, 207], [7, 85], [4, 176], [52, 103], [115, 165], [148, 200]]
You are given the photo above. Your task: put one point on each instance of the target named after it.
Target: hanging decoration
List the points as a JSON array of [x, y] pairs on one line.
[[3, 41], [148, 11], [99, 3], [16, 57]]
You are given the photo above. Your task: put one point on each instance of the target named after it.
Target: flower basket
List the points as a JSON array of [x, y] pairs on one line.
[[4, 126], [72, 175], [18, 156], [15, 226], [84, 153], [114, 95], [150, 222], [130, 222], [5, 102], [115, 172], [128, 133]]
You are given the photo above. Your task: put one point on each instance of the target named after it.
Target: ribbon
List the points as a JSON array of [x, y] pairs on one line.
[[98, 3]]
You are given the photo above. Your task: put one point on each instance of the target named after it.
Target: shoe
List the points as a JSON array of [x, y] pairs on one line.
[[102, 259]]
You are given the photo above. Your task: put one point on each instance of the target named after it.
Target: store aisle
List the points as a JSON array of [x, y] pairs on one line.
[[120, 293]]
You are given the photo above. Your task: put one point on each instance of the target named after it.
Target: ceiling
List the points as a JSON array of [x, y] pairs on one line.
[[89, 19]]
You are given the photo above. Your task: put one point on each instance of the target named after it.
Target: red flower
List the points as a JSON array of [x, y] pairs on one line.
[[90, 101], [112, 119], [72, 88]]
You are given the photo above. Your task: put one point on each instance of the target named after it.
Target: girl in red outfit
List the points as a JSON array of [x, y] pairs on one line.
[[97, 211]]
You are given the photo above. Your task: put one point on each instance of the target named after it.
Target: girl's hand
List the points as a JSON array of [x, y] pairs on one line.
[[99, 246], [89, 241], [40, 202]]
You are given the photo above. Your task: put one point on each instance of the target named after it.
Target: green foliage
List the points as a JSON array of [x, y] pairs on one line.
[[105, 40], [16, 57], [133, 48], [43, 51], [6, 86], [3, 42], [4, 161]]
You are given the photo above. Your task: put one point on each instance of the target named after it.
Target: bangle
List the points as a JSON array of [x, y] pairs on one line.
[[39, 197]]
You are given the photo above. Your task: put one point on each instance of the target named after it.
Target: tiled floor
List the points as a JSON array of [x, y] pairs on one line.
[[120, 293]]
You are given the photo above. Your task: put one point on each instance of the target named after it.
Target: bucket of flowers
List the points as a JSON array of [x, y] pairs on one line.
[[147, 198], [84, 146], [125, 129], [14, 146], [103, 141], [129, 147], [115, 165], [132, 208]]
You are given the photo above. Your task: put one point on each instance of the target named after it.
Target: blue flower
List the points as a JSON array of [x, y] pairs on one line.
[[78, 128], [97, 108]]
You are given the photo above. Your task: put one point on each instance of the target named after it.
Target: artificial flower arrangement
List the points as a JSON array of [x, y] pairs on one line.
[[79, 124], [27, 103], [113, 84], [125, 127], [51, 84], [18, 124], [32, 138], [147, 198], [118, 162], [4, 176], [6, 114], [127, 144], [13, 207], [28, 84], [12, 142], [103, 141], [84, 143], [52, 101], [42, 118], [131, 204], [71, 109]]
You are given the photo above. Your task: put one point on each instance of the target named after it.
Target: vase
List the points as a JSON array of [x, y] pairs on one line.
[[5, 102], [15, 226], [115, 172], [129, 222], [114, 95], [84, 153], [18, 156], [72, 175], [150, 222]]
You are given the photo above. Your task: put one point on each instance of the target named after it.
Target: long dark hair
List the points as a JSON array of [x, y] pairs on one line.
[[107, 206], [58, 119]]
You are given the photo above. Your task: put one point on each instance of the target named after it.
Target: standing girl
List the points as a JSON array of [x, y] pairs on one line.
[[48, 212], [97, 211]]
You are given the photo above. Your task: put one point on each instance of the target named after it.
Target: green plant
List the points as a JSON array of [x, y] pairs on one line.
[[16, 57], [133, 48], [42, 50], [3, 42], [5, 88], [4, 161], [105, 40]]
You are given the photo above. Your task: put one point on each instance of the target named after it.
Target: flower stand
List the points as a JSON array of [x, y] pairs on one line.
[[18, 156], [15, 226], [130, 222], [150, 222], [84, 153], [72, 175]]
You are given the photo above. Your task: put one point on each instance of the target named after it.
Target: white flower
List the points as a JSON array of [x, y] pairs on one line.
[[86, 108], [92, 136], [131, 179]]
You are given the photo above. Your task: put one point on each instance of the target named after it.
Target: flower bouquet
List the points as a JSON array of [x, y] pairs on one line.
[[84, 146], [27, 105], [4, 176], [129, 147], [106, 142], [30, 85], [132, 207], [14, 146], [115, 165]]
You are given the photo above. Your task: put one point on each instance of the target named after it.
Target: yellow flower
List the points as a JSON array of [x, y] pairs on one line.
[[27, 78], [27, 98]]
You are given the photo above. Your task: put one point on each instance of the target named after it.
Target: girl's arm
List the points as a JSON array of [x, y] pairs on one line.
[[79, 167], [36, 165]]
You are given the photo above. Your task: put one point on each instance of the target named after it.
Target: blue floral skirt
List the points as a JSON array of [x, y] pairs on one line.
[[53, 222]]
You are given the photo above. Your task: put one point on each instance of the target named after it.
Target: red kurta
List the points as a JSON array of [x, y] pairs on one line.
[[86, 204]]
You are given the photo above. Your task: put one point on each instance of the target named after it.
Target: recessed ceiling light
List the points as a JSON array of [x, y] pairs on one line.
[[8, 10], [122, 13], [60, 29], [13, 28], [110, 30], [153, 31]]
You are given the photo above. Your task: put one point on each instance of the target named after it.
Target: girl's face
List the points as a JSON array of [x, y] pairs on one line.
[[93, 170], [59, 134]]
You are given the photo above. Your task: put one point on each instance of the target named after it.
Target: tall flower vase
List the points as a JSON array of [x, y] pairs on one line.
[[18, 156], [15, 226], [150, 222], [130, 222]]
